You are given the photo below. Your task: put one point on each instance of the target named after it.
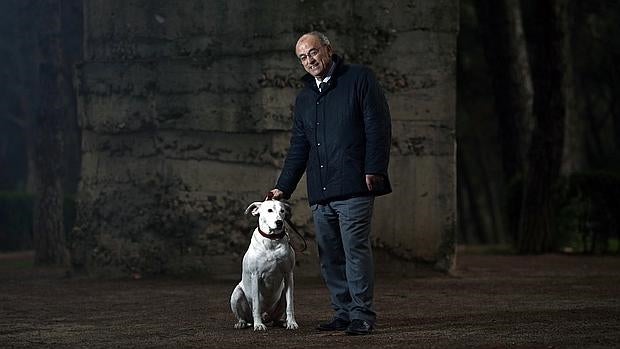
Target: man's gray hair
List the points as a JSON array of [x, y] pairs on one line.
[[322, 37]]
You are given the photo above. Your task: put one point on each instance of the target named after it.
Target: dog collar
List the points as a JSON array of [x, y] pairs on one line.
[[273, 236]]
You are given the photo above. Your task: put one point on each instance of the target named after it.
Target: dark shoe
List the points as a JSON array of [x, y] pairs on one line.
[[337, 324], [359, 327]]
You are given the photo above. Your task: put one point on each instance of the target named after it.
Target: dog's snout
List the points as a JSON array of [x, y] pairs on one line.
[[279, 223]]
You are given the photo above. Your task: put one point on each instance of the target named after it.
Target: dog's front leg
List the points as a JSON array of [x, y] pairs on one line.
[[256, 307], [291, 324]]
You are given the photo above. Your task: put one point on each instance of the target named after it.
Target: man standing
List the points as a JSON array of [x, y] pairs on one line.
[[341, 138]]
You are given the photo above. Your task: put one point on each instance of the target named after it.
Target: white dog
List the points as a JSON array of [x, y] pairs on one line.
[[266, 287]]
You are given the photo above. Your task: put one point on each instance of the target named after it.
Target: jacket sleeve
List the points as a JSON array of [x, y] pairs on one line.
[[296, 159], [377, 125]]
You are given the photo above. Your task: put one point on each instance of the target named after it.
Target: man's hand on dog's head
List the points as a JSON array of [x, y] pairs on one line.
[[277, 194]]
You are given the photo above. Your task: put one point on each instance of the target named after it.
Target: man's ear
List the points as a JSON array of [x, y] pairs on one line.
[[329, 50], [255, 206]]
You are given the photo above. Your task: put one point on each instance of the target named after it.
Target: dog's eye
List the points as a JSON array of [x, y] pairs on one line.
[[269, 210]]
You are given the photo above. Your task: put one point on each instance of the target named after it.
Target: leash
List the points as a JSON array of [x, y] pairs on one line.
[[290, 224]]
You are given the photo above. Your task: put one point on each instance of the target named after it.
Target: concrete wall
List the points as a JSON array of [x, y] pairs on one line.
[[186, 106]]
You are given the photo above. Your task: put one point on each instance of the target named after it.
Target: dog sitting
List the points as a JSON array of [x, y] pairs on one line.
[[266, 288]]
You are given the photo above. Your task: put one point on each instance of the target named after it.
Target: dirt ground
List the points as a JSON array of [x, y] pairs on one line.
[[551, 301]]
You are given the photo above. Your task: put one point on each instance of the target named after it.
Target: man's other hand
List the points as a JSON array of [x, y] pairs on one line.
[[374, 182]]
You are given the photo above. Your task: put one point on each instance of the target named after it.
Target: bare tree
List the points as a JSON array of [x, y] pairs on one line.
[[574, 151], [505, 50], [20, 90], [48, 225], [549, 66]]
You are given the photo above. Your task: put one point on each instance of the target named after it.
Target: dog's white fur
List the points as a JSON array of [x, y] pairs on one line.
[[266, 287]]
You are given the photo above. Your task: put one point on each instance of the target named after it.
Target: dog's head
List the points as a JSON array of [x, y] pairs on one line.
[[271, 215]]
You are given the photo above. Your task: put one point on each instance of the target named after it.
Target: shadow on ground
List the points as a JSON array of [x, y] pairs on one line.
[[550, 301]]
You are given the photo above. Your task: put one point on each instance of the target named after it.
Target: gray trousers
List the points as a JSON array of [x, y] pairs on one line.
[[345, 254]]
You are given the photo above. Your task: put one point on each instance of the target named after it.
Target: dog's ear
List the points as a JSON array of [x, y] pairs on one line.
[[255, 206], [287, 208]]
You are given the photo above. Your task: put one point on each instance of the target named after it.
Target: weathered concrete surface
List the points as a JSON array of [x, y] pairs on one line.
[[186, 107], [491, 302]]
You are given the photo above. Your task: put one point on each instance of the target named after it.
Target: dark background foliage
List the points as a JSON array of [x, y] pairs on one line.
[[585, 197]]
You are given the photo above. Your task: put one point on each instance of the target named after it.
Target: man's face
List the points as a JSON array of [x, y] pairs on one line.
[[315, 58]]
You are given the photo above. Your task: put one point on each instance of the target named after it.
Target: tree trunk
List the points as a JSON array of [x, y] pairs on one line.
[[27, 117], [545, 153], [48, 227], [574, 152], [469, 209], [506, 54]]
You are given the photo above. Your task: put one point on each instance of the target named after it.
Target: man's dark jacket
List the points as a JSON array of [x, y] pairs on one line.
[[339, 135]]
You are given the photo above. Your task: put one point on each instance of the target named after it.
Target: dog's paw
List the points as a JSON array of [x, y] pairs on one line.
[[241, 324], [260, 327], [291, 325]]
